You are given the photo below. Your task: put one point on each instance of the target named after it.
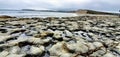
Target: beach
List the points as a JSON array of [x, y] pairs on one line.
[[79, 36]]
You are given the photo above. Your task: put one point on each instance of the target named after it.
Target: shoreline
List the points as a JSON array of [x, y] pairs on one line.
[[79, 36], [75, 15]]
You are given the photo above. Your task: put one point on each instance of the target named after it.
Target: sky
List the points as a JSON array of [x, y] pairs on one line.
[[102, 5]]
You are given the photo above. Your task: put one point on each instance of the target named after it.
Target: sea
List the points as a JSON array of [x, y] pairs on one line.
[[31, 14]]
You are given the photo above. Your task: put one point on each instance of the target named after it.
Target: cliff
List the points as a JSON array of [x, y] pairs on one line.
[[94, 12]]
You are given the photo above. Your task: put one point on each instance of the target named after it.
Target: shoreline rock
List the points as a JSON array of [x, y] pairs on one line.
[[83, 36]]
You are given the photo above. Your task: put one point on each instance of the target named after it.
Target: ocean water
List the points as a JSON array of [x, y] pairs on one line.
[[29, 14]]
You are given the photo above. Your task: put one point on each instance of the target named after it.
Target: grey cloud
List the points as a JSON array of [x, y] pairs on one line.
[[110, 5]]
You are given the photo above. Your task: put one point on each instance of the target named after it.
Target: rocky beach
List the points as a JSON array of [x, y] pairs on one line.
[[80, 36]]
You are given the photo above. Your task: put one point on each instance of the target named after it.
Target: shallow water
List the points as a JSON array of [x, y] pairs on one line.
[[29, 14]]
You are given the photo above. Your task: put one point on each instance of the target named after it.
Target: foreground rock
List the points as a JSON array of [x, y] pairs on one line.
[[83, 36]]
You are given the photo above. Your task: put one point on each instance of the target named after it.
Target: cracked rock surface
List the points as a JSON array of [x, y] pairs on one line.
[[83, 36]]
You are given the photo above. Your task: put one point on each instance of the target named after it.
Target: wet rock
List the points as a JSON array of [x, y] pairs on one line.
[[21, 44], [29, 55], [3, 30]]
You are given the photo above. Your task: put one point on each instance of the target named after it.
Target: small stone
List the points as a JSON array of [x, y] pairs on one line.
[[68, 33], [57, 34]]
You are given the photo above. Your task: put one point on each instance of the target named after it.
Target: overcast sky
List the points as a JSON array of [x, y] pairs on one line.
[[104, 5]]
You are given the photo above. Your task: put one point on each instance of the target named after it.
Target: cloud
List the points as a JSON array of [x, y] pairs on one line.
[[111, 5]]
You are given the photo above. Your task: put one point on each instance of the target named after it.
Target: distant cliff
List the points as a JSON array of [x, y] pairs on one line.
[[28, 10], [63, 11], [94, 12]]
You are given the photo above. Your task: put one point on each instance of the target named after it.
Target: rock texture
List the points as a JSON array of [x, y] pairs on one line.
[[83, 36]]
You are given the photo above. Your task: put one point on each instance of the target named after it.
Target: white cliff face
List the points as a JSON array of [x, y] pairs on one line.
[[83, 36]]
